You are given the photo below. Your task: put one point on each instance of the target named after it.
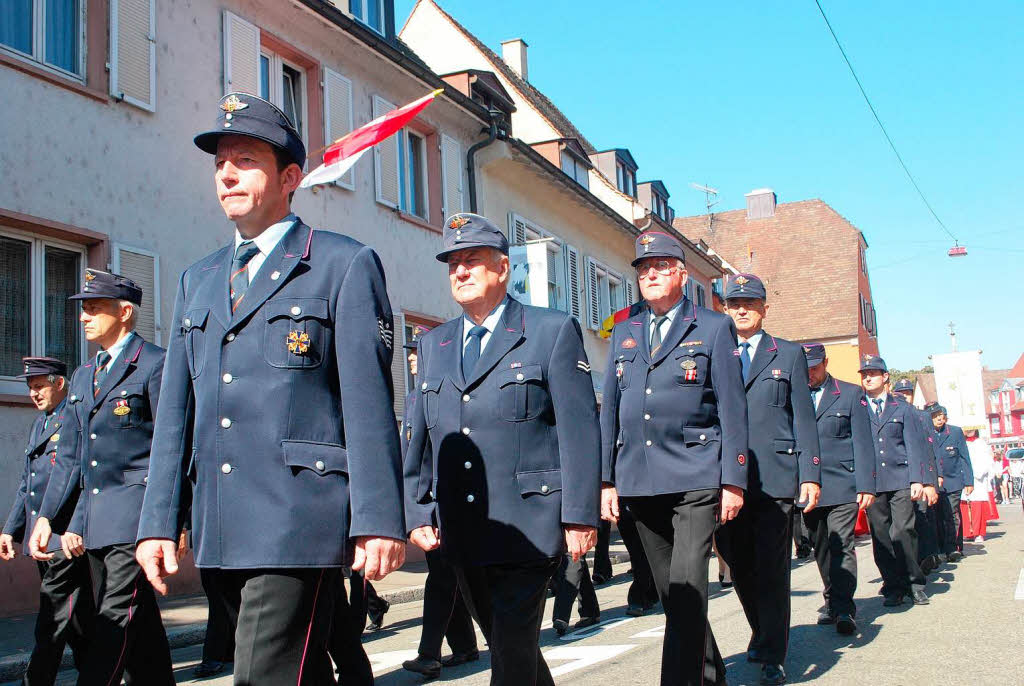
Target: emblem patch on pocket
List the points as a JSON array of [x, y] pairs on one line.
[[298, 342]]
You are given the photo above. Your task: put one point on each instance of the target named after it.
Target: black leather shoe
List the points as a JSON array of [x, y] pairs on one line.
[[826, 616], [585, 622], [920, 598], [427, 666], [943, 558], [845, 625], [377, 620], [208, 668], [599, 579], [634, 611], [723, 583], [893, 600], [804, 552], [955, 556], [927, 566], [772, 675], [561, 626], [456, 659]]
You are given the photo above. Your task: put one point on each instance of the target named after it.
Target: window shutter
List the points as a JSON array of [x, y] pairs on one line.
[[133, 52], [241, 55], [338, 115], [385, 159], [572, 269], [142, 268], [593, 305], [398, 363], [451, 173], [516, 229]]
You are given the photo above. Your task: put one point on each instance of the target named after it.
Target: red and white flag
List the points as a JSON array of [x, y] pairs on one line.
[[342, 154]]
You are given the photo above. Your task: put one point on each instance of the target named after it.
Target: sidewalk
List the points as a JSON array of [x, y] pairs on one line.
[[184, 616]]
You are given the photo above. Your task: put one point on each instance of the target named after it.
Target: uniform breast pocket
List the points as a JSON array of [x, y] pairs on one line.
[[430, 389], [691, 364], [193, 326], [521, 393], [624, 367], [296, 333], [128, 405], [838, 425], [778, 387]]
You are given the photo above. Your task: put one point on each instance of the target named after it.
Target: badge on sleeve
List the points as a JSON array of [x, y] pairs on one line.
[[298, 342], [121, 408], [387, 335], [582, 366]]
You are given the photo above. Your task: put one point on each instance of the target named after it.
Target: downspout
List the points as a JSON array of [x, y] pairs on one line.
[[492, 134]]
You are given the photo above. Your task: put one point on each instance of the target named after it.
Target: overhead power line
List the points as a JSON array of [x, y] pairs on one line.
[[880, 124]]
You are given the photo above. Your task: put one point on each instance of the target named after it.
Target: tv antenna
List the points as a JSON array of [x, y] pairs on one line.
[[710, 195]]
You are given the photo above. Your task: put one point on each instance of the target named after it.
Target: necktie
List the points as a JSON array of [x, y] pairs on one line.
[[239, 282], [745, 358], [878, 407], [102, 360], [656, 334], [471, 354]]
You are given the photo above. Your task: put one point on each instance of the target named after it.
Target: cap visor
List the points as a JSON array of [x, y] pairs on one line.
[[207, 142], [91, 296], [656, 254], [443, 255]]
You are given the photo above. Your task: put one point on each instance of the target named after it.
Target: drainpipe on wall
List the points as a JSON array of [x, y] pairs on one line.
[[492, 134]]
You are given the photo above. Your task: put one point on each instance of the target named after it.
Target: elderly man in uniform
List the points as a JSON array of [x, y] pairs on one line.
[[277, 408], [956, 476], [444, 611], [674, 445], [104, 453], [902, 455], [505, 446], [847, 485], [65, 603], [926, 509], [784, 466]]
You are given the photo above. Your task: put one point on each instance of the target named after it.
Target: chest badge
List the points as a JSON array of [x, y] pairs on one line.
[[628, 343], [776, 373], [298, 342], [689, 368], [121, 408], [55, 438], [688, 364]]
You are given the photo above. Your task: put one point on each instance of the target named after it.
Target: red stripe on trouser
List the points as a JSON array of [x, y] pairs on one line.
[[124, 646], [309, 629]]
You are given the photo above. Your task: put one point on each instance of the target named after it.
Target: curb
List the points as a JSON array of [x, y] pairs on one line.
[[13, 668]]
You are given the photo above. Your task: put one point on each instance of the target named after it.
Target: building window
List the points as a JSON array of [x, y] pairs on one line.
[[369, 12], [995, 426], [625, 179], [283, 85], [46, 31], [863, 260], [659, 206], [575, 169], [412, 173], [36, 278], [606, 291], [688, 290], [701, 296]]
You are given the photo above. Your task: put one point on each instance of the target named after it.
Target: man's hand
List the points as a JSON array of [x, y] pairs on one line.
[[182, 550], [39, 540], [7, 547], [864, 500], [157, 559], [72, 545], [376, 557], [731, 501], [579, 539], [968, 490], [930, 495], [609, 503], [810, 493], [426, 538], [916, 491]]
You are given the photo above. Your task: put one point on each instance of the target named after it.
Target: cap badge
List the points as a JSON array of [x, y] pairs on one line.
[[89, 276], [741, 280], [646, 239], [121, 408], [457, 222], [233, 104], [298, 342]]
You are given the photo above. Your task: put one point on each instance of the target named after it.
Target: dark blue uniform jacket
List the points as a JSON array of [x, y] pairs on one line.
[[902, 453], [846, 439], [955, 462]]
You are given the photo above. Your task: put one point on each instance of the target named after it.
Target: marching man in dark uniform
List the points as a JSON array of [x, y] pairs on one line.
[[103, 459], [444, 611], [505, 446], [277, 407], [926, 509], [674, 446], [956, 475], [901, 464], [784, 465], [65, 600], [847, 485]]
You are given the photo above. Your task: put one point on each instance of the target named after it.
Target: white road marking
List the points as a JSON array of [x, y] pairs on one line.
[[591, 631], [381, 662], [656, 632], [582, 656], [1019, 595]]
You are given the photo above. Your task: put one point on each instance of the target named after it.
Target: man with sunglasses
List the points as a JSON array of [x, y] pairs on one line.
[[674, 446]]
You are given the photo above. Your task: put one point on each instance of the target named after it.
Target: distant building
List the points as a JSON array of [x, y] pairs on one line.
[[1005, 407]]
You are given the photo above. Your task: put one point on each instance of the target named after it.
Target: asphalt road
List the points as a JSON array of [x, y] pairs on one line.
[[971, 633]]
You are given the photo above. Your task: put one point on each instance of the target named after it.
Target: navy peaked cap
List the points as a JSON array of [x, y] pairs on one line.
[[873, 362], [466, 230], [657, 244], [745, 286], [815, 354], [242, 114], [42, 366], [106, 285]]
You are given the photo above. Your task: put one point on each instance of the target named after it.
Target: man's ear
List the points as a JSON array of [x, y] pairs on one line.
[[291, 177]]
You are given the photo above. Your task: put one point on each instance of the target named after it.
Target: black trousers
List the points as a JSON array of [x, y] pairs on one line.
[[894, 542], [927, 530], [65, 615], [283, 622], [346, 644], [757, 545], [642, 591], [507, 602], [802, 537], [602, 560], [676, 530], [219, 645], [951, 532], [831, 529], [444, 611], [375, 606], [571, 580], [127, 635]]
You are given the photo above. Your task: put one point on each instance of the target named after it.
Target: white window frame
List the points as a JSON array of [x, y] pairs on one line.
[[556, 246], [37, 342], [114, 83], [275, 90], [362, 16], [405, 172], [115, 267], [606, 279], [347, 180], [38, 55]]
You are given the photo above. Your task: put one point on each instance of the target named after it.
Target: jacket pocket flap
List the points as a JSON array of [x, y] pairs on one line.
[[321, 458], [625, 354], [784, 445], [296, 308], [543, 482], [125, 390], [839, 413], [780, 374], [431, 385], [848, 465], [684, 349], [136, 477], [195, 319], [529, 372], [692, 436]]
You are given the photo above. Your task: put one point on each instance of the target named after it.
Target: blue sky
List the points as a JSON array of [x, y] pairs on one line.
[[742, 95]]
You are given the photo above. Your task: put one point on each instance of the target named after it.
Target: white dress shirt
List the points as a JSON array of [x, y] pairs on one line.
[[115, 350], [489, 323], [665, 325], [754, 341], [266, 242]]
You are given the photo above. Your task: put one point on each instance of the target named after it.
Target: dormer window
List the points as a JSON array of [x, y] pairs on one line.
[[369, 12], [625, 179], [574, 162]]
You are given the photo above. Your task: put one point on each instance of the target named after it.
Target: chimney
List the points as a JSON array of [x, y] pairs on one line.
[[760, 203], [514, 53]]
